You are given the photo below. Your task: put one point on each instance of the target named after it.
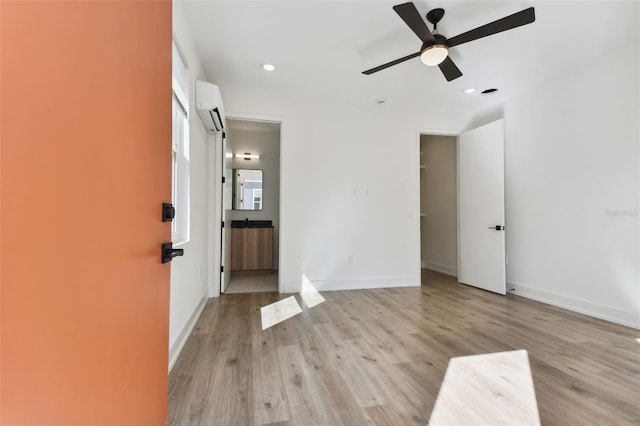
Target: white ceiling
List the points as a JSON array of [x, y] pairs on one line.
[[320, 48], [253, 125]]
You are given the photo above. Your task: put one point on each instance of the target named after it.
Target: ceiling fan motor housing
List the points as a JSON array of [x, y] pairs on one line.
[[439, 40]]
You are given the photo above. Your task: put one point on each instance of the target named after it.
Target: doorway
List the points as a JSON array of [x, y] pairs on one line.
[[438, 204], [251, 207], [462, 201]]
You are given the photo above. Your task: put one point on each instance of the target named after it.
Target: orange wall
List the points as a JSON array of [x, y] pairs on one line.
[[85, 164]]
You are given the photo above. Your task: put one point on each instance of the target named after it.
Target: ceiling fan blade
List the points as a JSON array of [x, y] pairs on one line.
[[518, 19], [449, 69], [392, 63], [411, 17]]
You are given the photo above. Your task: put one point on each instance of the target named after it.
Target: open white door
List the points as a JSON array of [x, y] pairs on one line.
[[481, 208], [225, 243]]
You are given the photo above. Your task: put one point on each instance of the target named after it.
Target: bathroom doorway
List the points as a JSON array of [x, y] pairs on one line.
[[251, 207]]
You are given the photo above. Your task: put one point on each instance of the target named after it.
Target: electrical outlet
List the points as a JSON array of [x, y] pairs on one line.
[[350, 260]]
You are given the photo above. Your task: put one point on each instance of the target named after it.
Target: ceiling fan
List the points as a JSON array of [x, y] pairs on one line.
[[435, 46]]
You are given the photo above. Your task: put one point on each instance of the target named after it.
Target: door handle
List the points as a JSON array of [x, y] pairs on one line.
[[168, 252], [497, 228]]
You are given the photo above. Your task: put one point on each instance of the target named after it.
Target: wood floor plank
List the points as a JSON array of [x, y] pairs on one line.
[[203, 393], [357, 377], [270, 400], [239, 381], [304, 394], [388, 346], [208, 321], [345, 408], [178, 403], [390, 415], [378, 357]]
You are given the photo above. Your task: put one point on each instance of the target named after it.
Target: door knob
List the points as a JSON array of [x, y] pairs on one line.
[[168, 252], [497, 227]]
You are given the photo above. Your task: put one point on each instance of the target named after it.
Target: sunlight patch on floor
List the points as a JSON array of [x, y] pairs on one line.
[[495, 389], [309, 294], [279, 311], [286, 308]]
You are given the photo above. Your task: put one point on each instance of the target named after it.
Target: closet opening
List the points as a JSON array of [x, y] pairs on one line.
[[438, 204]]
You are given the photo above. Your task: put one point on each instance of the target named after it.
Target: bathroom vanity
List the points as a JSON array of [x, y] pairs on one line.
[[251, 245]]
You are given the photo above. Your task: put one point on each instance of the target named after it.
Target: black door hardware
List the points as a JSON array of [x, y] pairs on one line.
[[168, 212], [497, 227], [168, 252]]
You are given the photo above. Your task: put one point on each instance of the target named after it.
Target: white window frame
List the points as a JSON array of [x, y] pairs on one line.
[[180, 163], [256, 195]]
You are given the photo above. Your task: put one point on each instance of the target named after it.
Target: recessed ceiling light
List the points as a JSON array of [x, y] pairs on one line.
[[489, 91], [268, 67], [469, 90]]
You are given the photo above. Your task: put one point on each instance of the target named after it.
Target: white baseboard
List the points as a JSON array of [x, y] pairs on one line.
[[444, 269], [365, 283], [607, 313], [176, 348]]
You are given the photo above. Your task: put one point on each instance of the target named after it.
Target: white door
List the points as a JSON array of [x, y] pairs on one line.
[[225, 243], [481, 207]]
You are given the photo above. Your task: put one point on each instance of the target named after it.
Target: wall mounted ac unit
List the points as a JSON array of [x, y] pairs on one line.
[[209, 106]]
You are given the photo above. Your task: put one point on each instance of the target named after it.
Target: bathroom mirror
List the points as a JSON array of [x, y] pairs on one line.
[[247, 189]]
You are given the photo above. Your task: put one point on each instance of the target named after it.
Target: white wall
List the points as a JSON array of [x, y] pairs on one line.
[[573, 189], [189, 273], [438, 200], [267, 144], [349, 189]]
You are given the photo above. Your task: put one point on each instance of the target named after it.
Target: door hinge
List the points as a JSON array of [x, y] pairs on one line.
[[221, 269], [223, 223], [224, 179]]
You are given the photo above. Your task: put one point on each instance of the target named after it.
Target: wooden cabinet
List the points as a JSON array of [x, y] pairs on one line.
[[251, 249]]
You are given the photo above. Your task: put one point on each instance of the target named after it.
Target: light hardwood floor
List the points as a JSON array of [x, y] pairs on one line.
[[379, 357]]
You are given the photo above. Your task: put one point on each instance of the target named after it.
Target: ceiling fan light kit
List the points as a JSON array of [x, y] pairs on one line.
[[434, 55], [435, 47]]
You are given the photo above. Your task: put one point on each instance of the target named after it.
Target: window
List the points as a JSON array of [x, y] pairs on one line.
[[180, 149], [257, 199]]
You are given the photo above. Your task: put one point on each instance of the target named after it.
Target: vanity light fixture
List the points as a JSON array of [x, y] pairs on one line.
[[247, 156]]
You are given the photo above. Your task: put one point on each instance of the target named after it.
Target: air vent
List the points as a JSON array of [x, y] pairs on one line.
[[489, 91]]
